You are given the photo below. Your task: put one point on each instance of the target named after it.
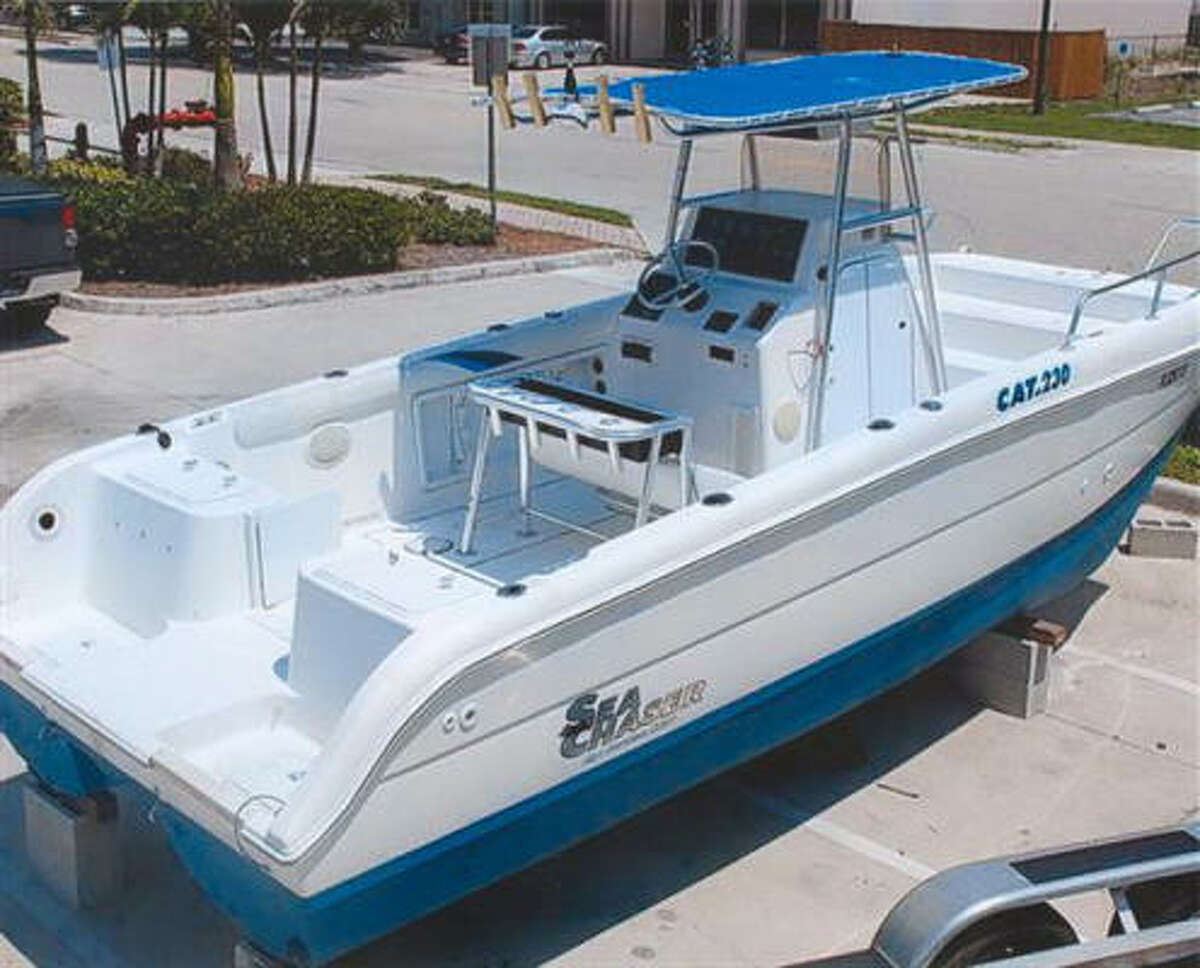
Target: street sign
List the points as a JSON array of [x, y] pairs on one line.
[[108, 59], [490, 51], [106, 50], [1124, 49]]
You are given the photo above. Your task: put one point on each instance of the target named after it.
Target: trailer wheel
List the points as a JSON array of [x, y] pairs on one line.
[[1007, 935], [1160, 902]]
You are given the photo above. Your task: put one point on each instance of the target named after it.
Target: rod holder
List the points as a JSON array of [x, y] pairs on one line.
[[641, 117], [503, 102], [534, 95], [608, 121]]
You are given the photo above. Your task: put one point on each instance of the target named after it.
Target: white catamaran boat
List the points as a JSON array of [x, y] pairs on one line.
[[376, 640]]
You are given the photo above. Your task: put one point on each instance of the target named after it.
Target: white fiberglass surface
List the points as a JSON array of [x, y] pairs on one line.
[[137, 687], [507, 547]]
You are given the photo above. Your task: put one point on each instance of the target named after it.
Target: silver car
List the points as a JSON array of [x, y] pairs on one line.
[[551, 45]]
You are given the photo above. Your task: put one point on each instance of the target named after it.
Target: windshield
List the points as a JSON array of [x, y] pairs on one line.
[[523, 33], [748, 243]]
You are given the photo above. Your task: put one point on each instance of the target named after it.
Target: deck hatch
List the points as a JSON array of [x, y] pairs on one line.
[[720, 321], [477, 361], [633, 350], [760, 317]]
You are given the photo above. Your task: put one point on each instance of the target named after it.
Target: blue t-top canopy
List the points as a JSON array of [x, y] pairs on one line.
[[807, 89]]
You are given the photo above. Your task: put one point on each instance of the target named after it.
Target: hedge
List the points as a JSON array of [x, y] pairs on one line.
[[12, 111], [178, 231]]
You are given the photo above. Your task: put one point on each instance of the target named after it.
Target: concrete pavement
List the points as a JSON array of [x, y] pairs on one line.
[[1095, 205]]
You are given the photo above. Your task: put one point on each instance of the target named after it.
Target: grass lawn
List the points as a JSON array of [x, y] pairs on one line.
[[609, 216], [1069, 119], [1184, 464]]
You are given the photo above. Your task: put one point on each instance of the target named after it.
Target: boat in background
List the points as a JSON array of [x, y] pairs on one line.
[[376, 640]]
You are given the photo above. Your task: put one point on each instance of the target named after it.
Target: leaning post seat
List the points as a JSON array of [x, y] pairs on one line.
[[612, 443]]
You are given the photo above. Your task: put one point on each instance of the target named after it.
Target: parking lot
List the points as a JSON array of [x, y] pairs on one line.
[[1089, 204], [791, 857]]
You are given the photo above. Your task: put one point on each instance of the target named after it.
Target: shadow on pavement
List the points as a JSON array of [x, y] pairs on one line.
[[1070, 609], [29, 339], [335, 60], [161, 917]]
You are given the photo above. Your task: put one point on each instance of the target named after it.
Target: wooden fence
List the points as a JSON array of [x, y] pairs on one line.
[[1077, 57]]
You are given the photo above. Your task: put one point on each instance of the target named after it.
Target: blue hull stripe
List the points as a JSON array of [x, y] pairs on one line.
[[319, 928]]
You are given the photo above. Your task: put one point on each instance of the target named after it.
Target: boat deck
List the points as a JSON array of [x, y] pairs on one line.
[[238, 666]]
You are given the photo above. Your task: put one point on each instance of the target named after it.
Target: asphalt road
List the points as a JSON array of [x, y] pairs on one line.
[[1092, 205]]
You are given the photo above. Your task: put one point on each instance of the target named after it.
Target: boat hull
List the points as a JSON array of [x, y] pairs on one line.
[[318, 928]]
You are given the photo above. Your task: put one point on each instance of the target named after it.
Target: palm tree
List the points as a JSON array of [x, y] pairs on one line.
[[260, 22], [34, 16], [225, 153], [155, 19], [318, 18], [293, 72], [354, 20], [109, 18], [362, 20]]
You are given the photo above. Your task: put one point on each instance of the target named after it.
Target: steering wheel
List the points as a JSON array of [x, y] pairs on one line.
[[671, 263]]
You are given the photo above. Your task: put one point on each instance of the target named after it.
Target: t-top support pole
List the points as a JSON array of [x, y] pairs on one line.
[[816, 389], [681, 173], [933, 321], [750, 151]]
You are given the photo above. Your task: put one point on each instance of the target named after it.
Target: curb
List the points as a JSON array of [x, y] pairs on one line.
[[309, 292], [1172, 495], [1019, 139]]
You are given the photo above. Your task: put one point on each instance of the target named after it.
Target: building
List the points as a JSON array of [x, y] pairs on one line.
[[649, 30], [1147, 26], [664, 30], [428, 18], [1117, 18]]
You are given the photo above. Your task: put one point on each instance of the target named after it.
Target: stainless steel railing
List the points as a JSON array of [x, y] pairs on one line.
[[1160, 270]]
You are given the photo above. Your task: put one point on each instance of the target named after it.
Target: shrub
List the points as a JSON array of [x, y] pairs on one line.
[[1184, 464], [138, 229], [182, 164], [174, 231], [438, 223], [12, 111], [284, 232], [69, 171], [183, 231]]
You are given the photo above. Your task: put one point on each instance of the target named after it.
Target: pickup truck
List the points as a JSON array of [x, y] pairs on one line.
[[37, 252]]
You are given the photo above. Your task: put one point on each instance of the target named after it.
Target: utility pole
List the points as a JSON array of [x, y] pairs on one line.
[[1043, 55]]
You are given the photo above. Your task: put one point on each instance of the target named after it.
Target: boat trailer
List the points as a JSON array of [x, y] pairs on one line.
[[999, 911]]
